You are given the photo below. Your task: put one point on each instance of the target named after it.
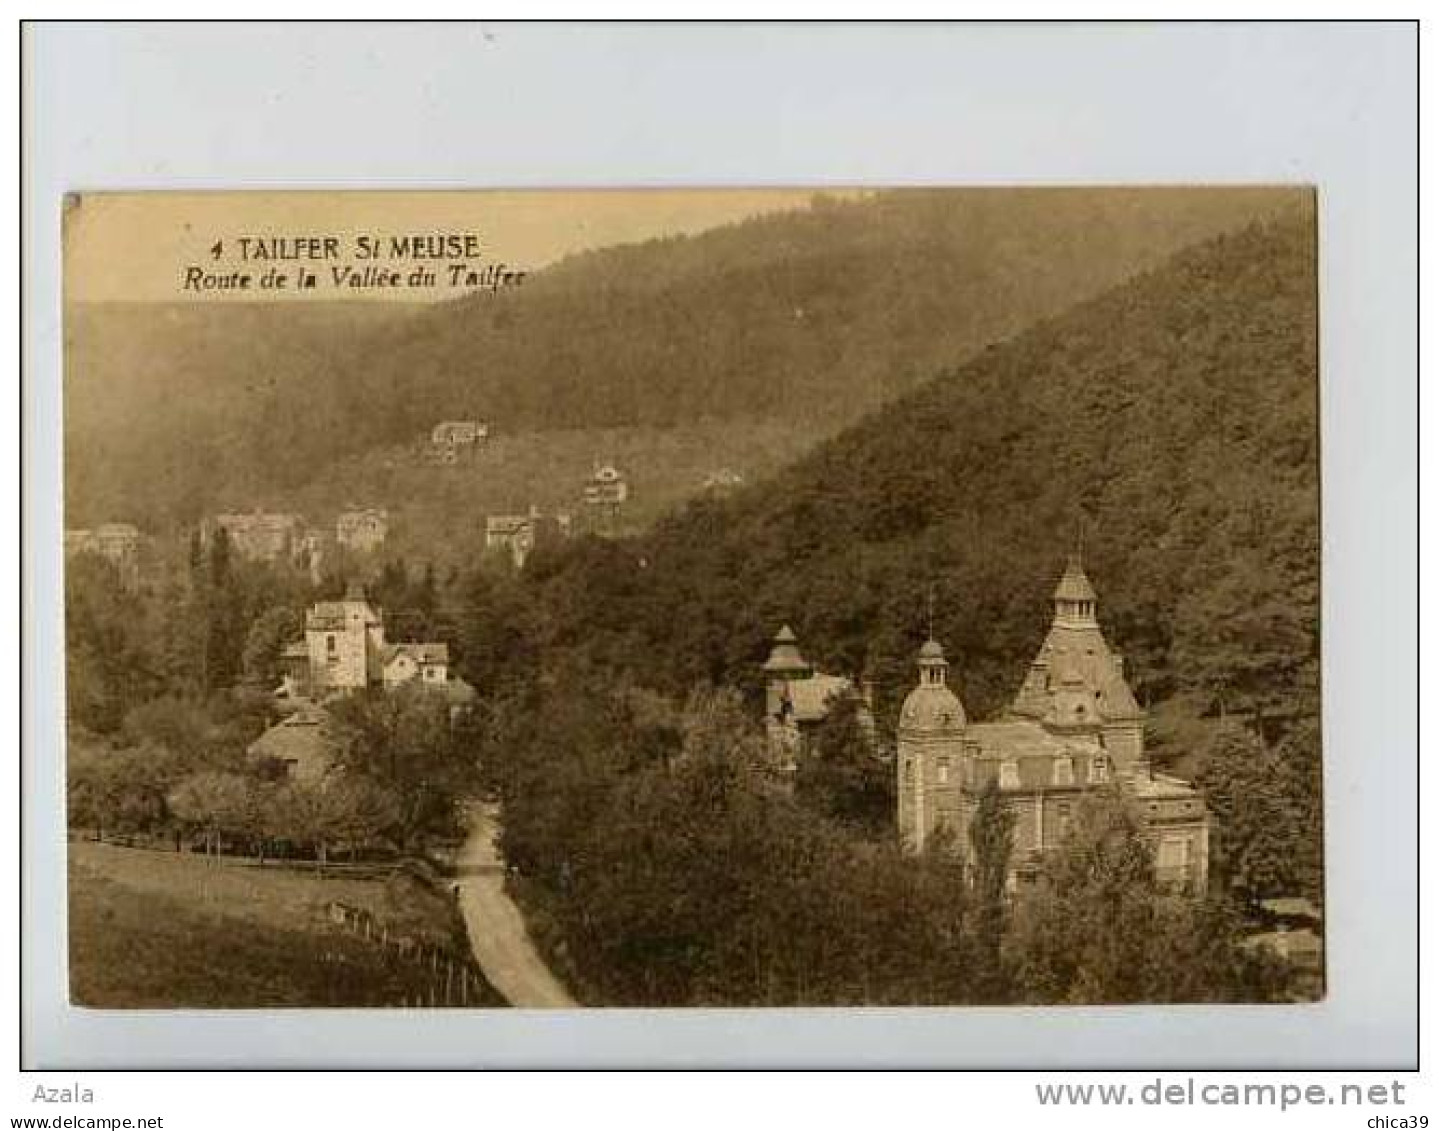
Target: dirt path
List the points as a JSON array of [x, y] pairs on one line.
[[497, 931]]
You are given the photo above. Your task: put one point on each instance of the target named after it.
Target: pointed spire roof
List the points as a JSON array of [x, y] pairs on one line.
[[784, 656], [1076, 681], [1074, 583]]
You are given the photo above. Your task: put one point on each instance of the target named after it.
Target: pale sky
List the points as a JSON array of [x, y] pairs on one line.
[[138, 246]]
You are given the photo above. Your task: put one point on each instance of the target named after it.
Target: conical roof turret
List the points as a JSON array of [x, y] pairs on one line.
[[1074, 583], [784, 656]]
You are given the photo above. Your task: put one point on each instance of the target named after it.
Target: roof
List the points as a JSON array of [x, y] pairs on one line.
[[303, 741], [460, 692], [1074, 585], [507, 523], [785, 656], [932, 708], [1160, 787], [810, 698], [1077, 662], [1301, 947], [1033, 749], [450, 429], [337, 614], [256, 519], [931, 650], [421, 653], [1291, 905], [1012, 737]]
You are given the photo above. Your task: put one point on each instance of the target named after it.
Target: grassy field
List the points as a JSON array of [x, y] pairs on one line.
[[153, 929]]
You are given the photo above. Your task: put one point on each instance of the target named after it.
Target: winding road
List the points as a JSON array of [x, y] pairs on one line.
[[501, 943]]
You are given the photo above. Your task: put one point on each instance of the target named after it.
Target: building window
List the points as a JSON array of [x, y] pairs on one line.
[[943, 771], [332, 648], [1099, 771], [1063, 771], [909, 770], [1009, 774], [1173, 852]]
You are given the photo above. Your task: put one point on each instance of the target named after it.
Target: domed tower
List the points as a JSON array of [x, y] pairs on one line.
[[930, 748]]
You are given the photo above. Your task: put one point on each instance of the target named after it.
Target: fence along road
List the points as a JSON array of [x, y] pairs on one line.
[[501, 943]]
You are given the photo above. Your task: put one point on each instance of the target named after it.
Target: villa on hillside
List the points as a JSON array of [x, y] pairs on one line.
[[607, 487], [1073, 727], [518, 534], [258, 535], [118, 543], [362, 529], [344, 650], [724, 481], [606, 494], [451, 439]]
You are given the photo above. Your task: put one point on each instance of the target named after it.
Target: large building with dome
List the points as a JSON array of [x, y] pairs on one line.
[[1074, 726]]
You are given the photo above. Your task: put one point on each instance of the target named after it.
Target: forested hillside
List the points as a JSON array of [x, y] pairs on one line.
[[813, 317], [1172, 421]]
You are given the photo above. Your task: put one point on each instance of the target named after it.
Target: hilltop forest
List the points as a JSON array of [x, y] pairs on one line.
[[799, 322], [1170, 423]]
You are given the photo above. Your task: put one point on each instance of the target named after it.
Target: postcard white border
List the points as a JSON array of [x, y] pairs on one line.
[[502, 105]]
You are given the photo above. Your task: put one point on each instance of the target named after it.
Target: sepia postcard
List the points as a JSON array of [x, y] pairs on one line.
[[735, 597]]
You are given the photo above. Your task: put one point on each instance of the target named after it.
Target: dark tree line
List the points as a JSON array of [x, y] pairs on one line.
[[1171, 422], [662, 863], [168, 687]]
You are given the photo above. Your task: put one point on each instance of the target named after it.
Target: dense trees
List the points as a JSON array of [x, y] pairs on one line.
[[846, 777], [1099, 928], [688, 877], [405, 743], [267, 636], [1172, 421], [666, 867], [814, 316], [1265, 801], [352, 812], [109, 665], [117, 791], [991, 844]]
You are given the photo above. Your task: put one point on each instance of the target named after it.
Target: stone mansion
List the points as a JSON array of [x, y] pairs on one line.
[[1073, 727]]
